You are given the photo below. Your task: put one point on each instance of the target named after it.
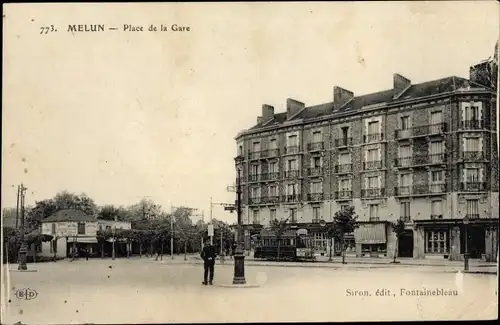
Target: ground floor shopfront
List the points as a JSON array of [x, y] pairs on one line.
[[422, 239]]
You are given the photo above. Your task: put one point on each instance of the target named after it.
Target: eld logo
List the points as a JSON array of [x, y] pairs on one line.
[[26, 294]]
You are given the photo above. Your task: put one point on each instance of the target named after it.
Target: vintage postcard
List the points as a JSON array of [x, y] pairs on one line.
[[249, 162]]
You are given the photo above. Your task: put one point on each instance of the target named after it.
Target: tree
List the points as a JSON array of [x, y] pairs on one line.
[[398, 228], [279, 227], [345, 222], [109, 212], [102, 237]]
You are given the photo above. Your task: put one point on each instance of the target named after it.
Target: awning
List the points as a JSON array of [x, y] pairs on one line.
[[83, 240], [302, 232], [370, 234]]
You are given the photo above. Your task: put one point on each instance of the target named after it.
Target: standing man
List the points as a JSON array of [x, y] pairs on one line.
[[208, 255]]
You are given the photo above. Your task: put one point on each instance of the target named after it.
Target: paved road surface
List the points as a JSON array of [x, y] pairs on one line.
[[136, 291]]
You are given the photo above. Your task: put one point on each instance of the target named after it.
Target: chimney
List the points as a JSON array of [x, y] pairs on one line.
[[400, 85], [259, 119], [341, 96], [293, 107], [267, 113]]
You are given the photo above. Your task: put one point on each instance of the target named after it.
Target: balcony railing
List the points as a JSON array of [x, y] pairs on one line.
[[292, 149], [375, 164], [472, 215], [254, 200], [403, 161], [418, 160], [254, 177], [437, 158], [292, 173], [271, 199], [405, 218], [343, 194], [373, 137], [315, 197], [420, 189], [473, 186], [292, 198], [315, 171], [436, 216], [254, 154], [422, 130], [471, 125], [343, 142], [372, 192], [472, 155], [273, 176], [273, 153], [343, 168], [316, 146]]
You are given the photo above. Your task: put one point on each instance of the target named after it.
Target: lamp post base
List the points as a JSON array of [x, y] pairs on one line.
[[239, 268], [466, 262], [23, 251]]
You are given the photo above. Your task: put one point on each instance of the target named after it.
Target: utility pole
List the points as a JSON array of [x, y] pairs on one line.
[[24, 248], [172, 231], [17, 207], [211, 237]]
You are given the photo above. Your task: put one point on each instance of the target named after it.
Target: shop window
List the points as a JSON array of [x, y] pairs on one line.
[[437, 242]]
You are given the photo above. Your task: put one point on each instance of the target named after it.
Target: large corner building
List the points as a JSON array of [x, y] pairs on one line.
[[426, 153]]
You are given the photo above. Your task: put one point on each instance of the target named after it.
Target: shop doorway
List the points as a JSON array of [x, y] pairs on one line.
[[405, 245], [476, 240]]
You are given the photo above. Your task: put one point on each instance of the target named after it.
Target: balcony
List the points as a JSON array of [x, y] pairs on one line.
[[472, 215], [292, 150], [316, 146], [373, 137], [473, 186], [436, 216], [471, 125], [425, 189], [315, 197], [273, 176], [419, 160], [254, 177], [437, 158], [315, 171], [292, 173], [292, 198], [375, 164], [254, 200], [271, 199], [254, 154], [273, 153], [472, 155], [343, 195], [403, 161], [343, 142], [343, 168], [372, 192], [420, 131]]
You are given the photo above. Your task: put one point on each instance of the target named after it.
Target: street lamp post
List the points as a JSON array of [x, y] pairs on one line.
[[23, 251], [113, 244], [239, 257], [466, 244], [330, 237]]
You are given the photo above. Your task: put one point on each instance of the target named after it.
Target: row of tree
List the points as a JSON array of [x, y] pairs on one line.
[[344, 222], [151, 231]]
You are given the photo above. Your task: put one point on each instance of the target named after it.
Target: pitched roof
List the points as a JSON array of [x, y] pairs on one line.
[[69, 215], [424, 89]]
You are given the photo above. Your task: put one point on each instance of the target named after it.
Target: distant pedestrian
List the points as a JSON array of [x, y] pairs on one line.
[[208, 255]]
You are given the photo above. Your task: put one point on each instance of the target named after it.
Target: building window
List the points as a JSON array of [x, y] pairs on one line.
[[317, 137], [240, 151], [273, 144], [273, 167], [293, 215], [316, 162], [373, 182], [81, 228], [53, 230], [471, 113], [273, 190], [436, 118], [255, 170], [405, 210], [437, 176], [472, 175], [345, 184], [472, 144], [350, 245], [473, 208], [436, 209], [436, 242], [316, 187], [273, 214], [255, 192], [372, 155], [436, 151], [405, 123], [373, 212], [292, 164], [292, 141], [256, 217], [373, 127], [316, 214], [256, 146]]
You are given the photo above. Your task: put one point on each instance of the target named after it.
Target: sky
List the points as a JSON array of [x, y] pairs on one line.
[[124, 115]]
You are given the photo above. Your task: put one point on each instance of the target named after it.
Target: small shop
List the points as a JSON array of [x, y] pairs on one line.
[[371, 240]]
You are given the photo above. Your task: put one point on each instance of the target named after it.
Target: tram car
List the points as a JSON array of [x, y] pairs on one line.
[[296, 245]]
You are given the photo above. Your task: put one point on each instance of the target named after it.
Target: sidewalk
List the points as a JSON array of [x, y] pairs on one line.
[[475, 266]]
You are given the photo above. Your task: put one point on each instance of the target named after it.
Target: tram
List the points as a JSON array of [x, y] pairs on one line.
[[295, 245]]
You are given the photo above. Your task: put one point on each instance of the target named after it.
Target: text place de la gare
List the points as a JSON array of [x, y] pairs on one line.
[[75, 28]]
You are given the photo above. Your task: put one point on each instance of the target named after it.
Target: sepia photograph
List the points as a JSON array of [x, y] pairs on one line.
[[232, 162]]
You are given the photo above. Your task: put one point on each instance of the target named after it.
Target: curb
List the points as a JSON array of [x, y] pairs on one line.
[[237, 286]]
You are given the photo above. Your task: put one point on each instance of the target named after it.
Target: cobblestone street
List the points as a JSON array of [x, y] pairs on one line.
[[144, 290]]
